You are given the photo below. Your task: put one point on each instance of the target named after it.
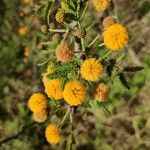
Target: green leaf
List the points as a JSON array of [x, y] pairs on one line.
[[133, 69], [110, 67], [69, 142], [123, 80]]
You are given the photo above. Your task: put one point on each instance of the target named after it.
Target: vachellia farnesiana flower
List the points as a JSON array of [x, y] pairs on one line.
[[78, 71]]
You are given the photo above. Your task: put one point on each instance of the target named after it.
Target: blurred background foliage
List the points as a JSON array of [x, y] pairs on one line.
[[127, 127]]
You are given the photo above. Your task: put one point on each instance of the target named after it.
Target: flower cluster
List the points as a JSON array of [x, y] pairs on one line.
[[77, 71]]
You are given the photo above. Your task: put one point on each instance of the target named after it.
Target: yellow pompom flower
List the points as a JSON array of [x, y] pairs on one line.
[[100, 5], [59, 16], [40, 116], [22, 30], [91, 69], [53, 134], [101, 92], [64, 6], [37, 102], [53, 88], [74, 93], [115, 37]]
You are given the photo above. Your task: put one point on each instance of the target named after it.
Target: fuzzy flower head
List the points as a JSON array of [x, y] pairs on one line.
[[115, 37], [91, 69], [74, 93], [64, 53], [37, 102], [53, 134], [22, 30], [100, 5], [101, 92], [40, 116], [108, 21], [59, 16], [53, 88]]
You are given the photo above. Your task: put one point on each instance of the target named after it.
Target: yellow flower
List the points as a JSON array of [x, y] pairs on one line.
[[101, 92], [28, 1], [74, 93], [108, 21], [53, 88], [53, 134], [100, 5], [27, 52], [115, 37], [91, 69], [59, 16], [22, 30], [64, 53], [40, 116], [64, 6], [37, 102]]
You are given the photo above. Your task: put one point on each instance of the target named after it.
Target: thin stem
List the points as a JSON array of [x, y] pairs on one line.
[[65, 35], [82, 44], [58, 30], [95, 39], [65, 117], [85, 8], [102, 44], [106, 55]]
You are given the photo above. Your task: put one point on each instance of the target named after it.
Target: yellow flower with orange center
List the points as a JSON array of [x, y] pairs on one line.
[[37, 102], [74, 93], [115, 37], [91, 69], [53, 134]]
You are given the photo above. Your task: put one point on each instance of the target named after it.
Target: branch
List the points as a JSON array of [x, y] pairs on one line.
[[13, 137]]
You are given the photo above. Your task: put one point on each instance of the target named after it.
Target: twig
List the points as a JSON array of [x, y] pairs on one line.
[[64, 118], [58, 30], [13, 137], [95, 39]]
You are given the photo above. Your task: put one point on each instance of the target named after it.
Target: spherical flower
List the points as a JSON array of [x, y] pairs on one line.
[[64, 53], [22, 30], [108, 21], [37, 102], [40, 116], [44, 28], [101, 92], [28, 1], [53, 134], [64, 6], [100, 5], [115, 37], [52, 25], [74, 93], [91, 69], [27, 52], [56, 38], [53, 88], [59, 16], [80, 33]]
